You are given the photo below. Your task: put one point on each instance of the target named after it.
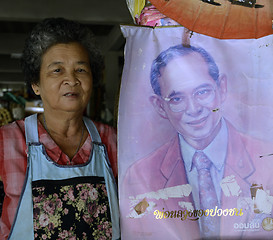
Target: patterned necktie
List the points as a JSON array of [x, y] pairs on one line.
[[208, 198]]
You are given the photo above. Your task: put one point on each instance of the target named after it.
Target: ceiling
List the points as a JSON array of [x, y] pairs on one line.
[[18, 17]]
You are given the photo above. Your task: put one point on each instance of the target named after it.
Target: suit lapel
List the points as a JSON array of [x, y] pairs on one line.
[[172, 167], [173, 170], [238, 164]]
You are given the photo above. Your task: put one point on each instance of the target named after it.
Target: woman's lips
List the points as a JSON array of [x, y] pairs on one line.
[[71, 94]]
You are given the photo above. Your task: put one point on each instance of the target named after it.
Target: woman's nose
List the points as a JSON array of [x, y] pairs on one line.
[[71, 78]]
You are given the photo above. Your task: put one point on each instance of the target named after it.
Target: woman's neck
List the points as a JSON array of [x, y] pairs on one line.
[[69, 133], [64, 125]]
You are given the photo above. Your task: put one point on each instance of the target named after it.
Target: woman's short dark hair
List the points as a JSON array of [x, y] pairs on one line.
[[52, 31]]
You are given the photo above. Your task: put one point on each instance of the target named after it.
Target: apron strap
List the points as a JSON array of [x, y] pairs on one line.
[[31, 129], [92, 130]]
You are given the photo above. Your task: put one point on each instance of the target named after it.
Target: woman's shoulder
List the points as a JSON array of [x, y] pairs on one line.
[[108, 136], [107, 132], [16, 128], [12, 144]]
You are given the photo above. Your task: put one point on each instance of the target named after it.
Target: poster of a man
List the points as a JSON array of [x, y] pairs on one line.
[[208, 164]]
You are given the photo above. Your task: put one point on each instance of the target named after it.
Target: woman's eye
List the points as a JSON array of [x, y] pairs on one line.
[[81, 70], [57, 70]]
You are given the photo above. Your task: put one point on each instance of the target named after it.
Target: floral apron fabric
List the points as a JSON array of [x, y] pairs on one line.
[[66, 202]]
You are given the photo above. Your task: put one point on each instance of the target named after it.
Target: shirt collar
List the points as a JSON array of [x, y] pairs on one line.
[[56, 154], [217, 157]]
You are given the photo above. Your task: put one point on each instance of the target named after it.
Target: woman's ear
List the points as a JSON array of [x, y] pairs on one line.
[[35, 88], [157, 102]]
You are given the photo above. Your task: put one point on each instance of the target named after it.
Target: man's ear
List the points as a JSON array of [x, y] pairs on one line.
[[157, 102], [35, 88], [223, 87]]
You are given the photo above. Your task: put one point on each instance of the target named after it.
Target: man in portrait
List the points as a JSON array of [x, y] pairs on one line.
[[208, 163]]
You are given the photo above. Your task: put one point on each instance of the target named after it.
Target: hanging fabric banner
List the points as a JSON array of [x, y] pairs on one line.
[[195, 136]]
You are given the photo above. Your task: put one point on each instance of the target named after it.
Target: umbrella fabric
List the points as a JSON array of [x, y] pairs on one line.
[[220, 18]]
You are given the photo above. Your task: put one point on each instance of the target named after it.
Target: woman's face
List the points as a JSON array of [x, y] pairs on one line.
[[65, 78]]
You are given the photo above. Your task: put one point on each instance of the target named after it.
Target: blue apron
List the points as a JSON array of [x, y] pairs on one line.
[[63, 202]]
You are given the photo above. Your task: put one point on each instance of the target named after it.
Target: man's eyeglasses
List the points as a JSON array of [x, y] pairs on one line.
[[203, 96]]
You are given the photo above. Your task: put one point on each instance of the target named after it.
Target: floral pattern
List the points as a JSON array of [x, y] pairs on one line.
[[75, 212]]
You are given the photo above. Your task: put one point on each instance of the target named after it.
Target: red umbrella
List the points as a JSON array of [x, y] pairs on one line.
[[221, 18]]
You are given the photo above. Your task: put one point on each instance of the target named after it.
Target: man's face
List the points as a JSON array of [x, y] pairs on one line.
[[192, 97]]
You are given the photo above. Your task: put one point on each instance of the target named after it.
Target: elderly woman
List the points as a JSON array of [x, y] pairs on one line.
[[57, 177]]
